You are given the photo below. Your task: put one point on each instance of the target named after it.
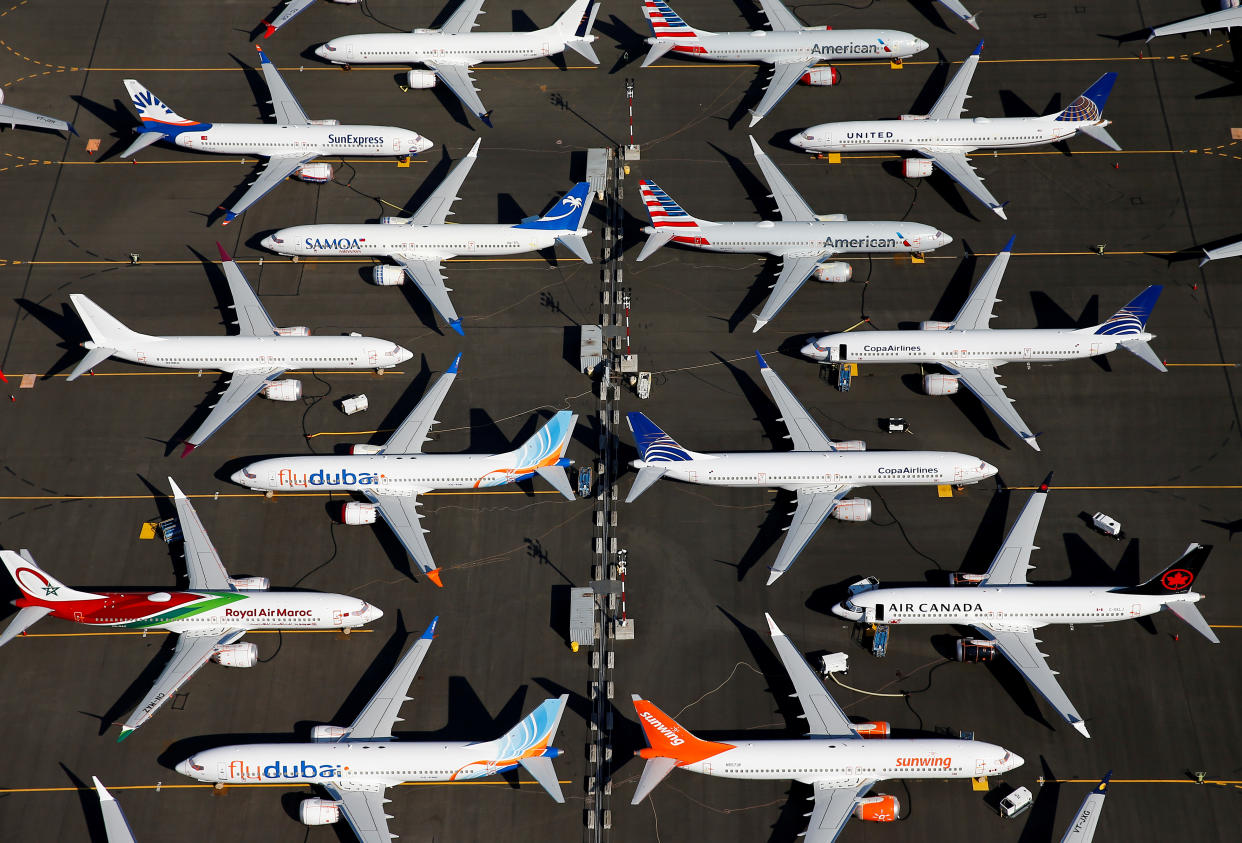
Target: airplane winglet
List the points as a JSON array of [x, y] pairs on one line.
[[1009, 245], [773, 629], [452, 370], [2, 377], [759, 323], [978, 49], [487, 121], [430, 632], [125, 733], [773, 575], [229, 216], [1103, 785], [1043, 487], [1082, 728], [455, 324], [1207, 257], [763, 364], [434, 576], [1029, 438], [224, 256], [268, 29], [474, 150], [104, 795], [189, 449], [263, 59], [73, 131], [176, 490]]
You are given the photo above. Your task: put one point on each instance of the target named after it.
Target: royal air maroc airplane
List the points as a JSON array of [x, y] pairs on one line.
[[945, 139], [822, 472], [289, 145], [793, 49], [1229, 16], [971, 352], [10, 116], [802, 239], [209, 618], [253, 358], [1007, 609], [840, 759]]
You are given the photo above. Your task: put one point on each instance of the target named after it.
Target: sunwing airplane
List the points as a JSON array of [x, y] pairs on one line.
[[10, 116], [793, 50], [357, 764], [421, 243], [253, 358], [836, 757], [945, 139], [1082, 829], [801, 238], [822, 472], [971, 352], [209, 618], [289, 145], [452, 51], [116, 827], [1230, 15], [958, 8], [1007, 609]]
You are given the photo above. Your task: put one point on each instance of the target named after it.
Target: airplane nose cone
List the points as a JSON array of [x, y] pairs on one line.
[[424, 144], [1015, 761], [239, 477], [849, 614], [988, 470], [373, 613], [403, 354], [184, 767], [268, 243], [920, 45], [798, 141], [322, 51], [809, 350], [943, 239]]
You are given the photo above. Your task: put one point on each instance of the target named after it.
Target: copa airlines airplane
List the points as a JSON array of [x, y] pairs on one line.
[[209, 618], [289, 145], [971, 351], [10, 116], [1007, 609], [357, 764], [254, 358], [1229, 16], [822, 472], [452, 51], [840, 759], [793, 50], [392, 476], [1082, 829], [802, 239], [945, 139], [423, 242]]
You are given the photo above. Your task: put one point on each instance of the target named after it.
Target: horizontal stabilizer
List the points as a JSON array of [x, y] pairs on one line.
[[142, 142], [24, 619], [657, 52], [557, 478], [1142, 350], [1100, 134], [1184, 609], [92, 359], [577, 245], [653, 773], [647, 475], [542, 771], [583, 48], [655, 241]]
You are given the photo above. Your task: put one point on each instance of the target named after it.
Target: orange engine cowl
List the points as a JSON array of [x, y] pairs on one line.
[[879, 729], [880, 808]]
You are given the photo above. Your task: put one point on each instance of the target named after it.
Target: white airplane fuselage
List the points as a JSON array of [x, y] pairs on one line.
[[797, 45], [283, 140], [442, 47], [983, 348], [385, 473], [778, 237], [228, 354], [426, 241], [956, 135], [811, 469]]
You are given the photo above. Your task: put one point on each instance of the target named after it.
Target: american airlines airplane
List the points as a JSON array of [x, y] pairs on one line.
[[822, 472], [971, 352], [289, 145], [253, 358], [802, 238], [840, 759], [357, 764], [945, 139], [1229, 16], [793, 50], [1082, 829], [1007, 609], [14, 117], [209, 618], [392, 476], [452, 51], [421, 243]]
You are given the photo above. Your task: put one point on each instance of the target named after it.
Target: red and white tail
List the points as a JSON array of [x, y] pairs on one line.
[[666, 23], [38, 585], [664, 212]]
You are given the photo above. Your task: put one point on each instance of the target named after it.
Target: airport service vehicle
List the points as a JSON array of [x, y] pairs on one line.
[[1229, 16], [14, 117], [1017, 802]]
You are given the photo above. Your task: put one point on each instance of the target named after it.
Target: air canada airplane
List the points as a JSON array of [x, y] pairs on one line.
[[10, 116], [1229, 16], [209, 618], [1007, 609], [840, 759]]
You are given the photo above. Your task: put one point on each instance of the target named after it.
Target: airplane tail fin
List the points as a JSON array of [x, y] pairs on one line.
[[107, 334], [529, 744], [37, 584], [1089, 107], [654, 444], [569, 213], [1131, 319], [1178, 578], [544, 453], [669, 745], [575, 27], [665, 23], [158, 120], [667, 217]]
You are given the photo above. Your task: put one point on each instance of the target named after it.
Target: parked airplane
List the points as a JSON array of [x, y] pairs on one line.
[[116, 827], [291, 10], [209, 618], [423, 242], [15, 117], [1007, 609], [392, 476], [1231, 250], [802, 239], [793, 50], [452, 51], [1082, 829], [357, 764], [836, 757], [958, 8], [822, 472], [253, 358], [289, 145], [1229, 16], [970, 351], [945, 139]]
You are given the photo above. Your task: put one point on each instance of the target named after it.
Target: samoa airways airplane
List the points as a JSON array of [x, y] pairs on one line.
[[209, 618], [10, 116], [1230, 15]]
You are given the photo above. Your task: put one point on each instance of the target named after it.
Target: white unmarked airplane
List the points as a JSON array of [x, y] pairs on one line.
[[793, 50], [801, 238], [1007, 609], [946, 139], [971, 351], [209, 618], [1082, 829], [253, 358], [822, 472], [289, 145], [840, 759], [452, 51], [1229, 16], [358, 763], [10, 116]]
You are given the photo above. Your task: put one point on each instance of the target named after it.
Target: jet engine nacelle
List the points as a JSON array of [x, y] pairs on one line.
[[317, 811], [916, 168], [852, 509], [878, 729], [850, 445], [355, 514], [930, 325], [420, 79], [318, 172], [294, 331], [250, 583], [836, 272], [244, 654], [821, 77], [365, 449], [328, 734], [324, 122], [387, 276], [289, 389], [880, 808], [940, 384]]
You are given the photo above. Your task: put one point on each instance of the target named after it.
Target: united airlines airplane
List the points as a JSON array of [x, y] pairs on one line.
[[209, 618], [1229, 16], [289, 145], [822, 472], [840, 759], [14, 117], [802, 239]]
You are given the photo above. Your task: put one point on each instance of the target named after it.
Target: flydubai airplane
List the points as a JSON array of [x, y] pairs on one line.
[[253, 358], [1007, 609], [958, 8], [357, 764], [210, 617], [289, 145], [945, 139], [1082, 829], [822, 472], [802, 239], [840, 759], [452, 51], [793, 49], [1229, 16], [971, 352], [421, 243], [392, 476], [10, 116]]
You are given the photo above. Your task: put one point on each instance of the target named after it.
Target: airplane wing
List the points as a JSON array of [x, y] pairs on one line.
[[276, 170], [957, 166], [465, 18], [409, 437], [795, 269], [789, 201], [427, 277], [202, 562], [779, 18], [456, 77], [400, 513], [833, 808], [1019, 645], [1230, 250], [976, 313], [784, 76], [959, 9], [243, 385], [984, 384], [436, 208], [364, 811], [1215, 20], [252, 317], [814, 505], [285, 105], [805, 433], [288, 13], [116, 827], [375, 721], [1082, 829], [824, 718], [952, 101], [10, 116], [1013, 560]]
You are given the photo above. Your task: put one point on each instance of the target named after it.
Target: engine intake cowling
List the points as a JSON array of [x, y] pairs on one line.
[[878, 729], [852, 509], [244, 654], [316, 811], [930, 325], [916, 168], [365, 450], [294, 331], [289, 389], [317, 172], [328, 734], [880, 808], [940, 384], [821, 77], [835, 272], [421, 79], [387, 276], [850, 445], [250, 583], [356, 514]]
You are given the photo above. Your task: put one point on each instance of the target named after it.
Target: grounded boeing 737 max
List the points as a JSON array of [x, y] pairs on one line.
[[291, 10], [1082, 829], [958, 8], [10, 116], [1229, 16], [116, 827]]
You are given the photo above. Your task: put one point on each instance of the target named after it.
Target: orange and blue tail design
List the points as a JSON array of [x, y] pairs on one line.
[[158, 117], [1132, 319]]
